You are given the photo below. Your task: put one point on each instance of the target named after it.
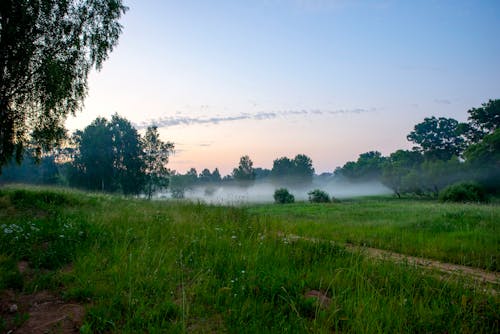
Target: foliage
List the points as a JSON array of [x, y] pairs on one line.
[[179, 183], [298, 170], [484, 120], [433, 176], [108, 156], [207, 177], [483, 160], [48, 49], [368, 167], [128, 162], [318, 196], [397, 166], [463, 192], [244, 172], [438, 138], [93, 157], [283, 196], [42, 171], [156, 154]]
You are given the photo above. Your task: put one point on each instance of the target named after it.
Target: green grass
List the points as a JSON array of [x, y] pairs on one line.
[[185, 267], [467, 234]]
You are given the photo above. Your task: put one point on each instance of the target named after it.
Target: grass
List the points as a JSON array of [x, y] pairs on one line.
[[155, 267], [467, 234]]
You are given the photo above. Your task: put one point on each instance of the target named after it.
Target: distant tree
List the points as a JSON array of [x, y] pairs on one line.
[[303, 168], [261, 173], [282, 168], [156, 155], [94, 157], [32, 171], [368, 166], [397, 166], [483, 160], [192, 175], [439, 138], [179, 183], [216, 175], [484, 120], [205, 176], [129, 163], [434, 175], [47, 51], [298, 170], [108, 156], [244, 173]]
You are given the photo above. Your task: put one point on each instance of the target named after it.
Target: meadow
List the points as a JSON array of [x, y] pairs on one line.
[[168, 266]]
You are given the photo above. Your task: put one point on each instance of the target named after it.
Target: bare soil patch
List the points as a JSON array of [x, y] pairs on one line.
[[41, 312]]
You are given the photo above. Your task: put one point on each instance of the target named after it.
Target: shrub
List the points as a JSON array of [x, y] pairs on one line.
[[463, 192], [282, 196], [318, 196]]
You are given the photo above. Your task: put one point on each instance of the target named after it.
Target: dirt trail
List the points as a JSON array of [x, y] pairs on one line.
[[478, 275]]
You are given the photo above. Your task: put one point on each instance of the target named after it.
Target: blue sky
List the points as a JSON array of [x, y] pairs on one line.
[[271, 78]]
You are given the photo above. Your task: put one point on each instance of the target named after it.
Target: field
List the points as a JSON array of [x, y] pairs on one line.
[[165, 266]]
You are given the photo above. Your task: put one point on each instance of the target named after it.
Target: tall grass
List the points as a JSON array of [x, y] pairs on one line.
[[189, 267], [467, 234]]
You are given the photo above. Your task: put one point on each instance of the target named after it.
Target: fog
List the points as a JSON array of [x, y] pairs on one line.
[[263, 191]]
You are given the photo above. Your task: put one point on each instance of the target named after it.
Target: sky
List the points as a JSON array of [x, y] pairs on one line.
[[271, 78]]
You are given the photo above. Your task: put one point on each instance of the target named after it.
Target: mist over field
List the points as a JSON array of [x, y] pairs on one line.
[[262, 191]]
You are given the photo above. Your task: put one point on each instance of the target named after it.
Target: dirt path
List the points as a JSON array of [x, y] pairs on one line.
[[478, 275]]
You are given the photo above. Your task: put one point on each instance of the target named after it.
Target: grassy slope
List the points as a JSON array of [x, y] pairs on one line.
[[163, 266], [467, 234]]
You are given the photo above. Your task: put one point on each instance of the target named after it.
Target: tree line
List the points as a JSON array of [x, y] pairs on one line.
[[111, 156], [107, 156], [285, 171], [445, 152]]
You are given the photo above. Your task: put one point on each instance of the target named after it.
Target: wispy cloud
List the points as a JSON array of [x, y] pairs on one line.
[[176, 120], [442, 101]]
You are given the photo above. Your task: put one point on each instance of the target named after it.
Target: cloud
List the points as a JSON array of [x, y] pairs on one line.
[[442, 101], [168, 121]]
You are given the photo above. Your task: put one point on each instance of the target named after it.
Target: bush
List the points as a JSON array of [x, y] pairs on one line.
[[318, 196], [463, 192], [282, 196]]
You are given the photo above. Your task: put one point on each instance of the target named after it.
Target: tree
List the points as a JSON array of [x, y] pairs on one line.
[[298, 170], [47, 51], [94, 157], [368, 166], [129, 165], [438, 138], [303, 169], [245, 172], [156, 154], [397, 166], [205, 176], [108, 156], [281, 168], [483, 159], [484, 120], [44, 171], [432, 176], [216, 175]]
